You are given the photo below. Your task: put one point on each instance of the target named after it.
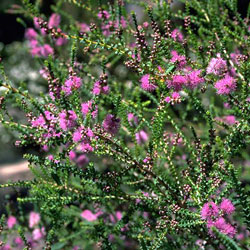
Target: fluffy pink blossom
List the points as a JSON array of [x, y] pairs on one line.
[[89, 216], [67, 119], [46, 50], [85, 147], [227, 206], [54, 21], [11, 222], [82, 160], [77, 135], [37, 26], [194, 79], [18, 240], [209, 210], [224, 227], [226, 85], [230, 119], [177, 82], [84, 27], [38, 122], [86, 107], [111, 124], [34, 219], [61, 41], [175, 98], [103, 14], [30, 34], [72, 83], [177, 35], [178, 59], [217, 66], [38, 233], [98, 88], [146, 84], [132, 119], [141, 137], [72, 155], [145, 25]]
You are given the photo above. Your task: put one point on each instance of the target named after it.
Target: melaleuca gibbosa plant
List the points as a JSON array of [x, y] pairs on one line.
[[143, 130]]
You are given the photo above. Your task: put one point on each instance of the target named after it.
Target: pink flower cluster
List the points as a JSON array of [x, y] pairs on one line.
[[226, 85], [67, 119], [89, 216], [109, 25], [111, 124], [177, 35], [83, 136], [178, 59], [175, 98], [146, 84], [191, 80], [87, 107], [100, 88], [72, 83], [31, 35], [217, 66], [214, 215]]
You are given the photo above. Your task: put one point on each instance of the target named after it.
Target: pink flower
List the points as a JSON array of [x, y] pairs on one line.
[[72, 155], [118, 216], [209, 210], [177, 82], [217, 66], [61, 41], [67, 119], [224, 227], [84, 27], [30, 34], [103, 14], [146, 85], [98, 88], [89, 216], [86, 147], [230, 119], [11, 222], [123, 22], [86, 107], [226, 85], [34, 219], [38, 122], [6, 247], [178, 59], [227, 206], [141, 137], [72, 83], [145, 25], [46, 50], [54, 21], [177, 35], [226, 105], [18, 241], [194, 79], [82, 160], [77, 135], [111, 124], [38, 233], [37, 26], [132, 119]]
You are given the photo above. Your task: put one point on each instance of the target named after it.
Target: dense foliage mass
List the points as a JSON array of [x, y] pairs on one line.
[[143, 130]]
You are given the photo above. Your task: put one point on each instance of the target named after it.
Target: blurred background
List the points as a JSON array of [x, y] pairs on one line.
[[20, 67]]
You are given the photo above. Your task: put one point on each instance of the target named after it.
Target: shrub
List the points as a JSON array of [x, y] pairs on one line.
[[144, 128]]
